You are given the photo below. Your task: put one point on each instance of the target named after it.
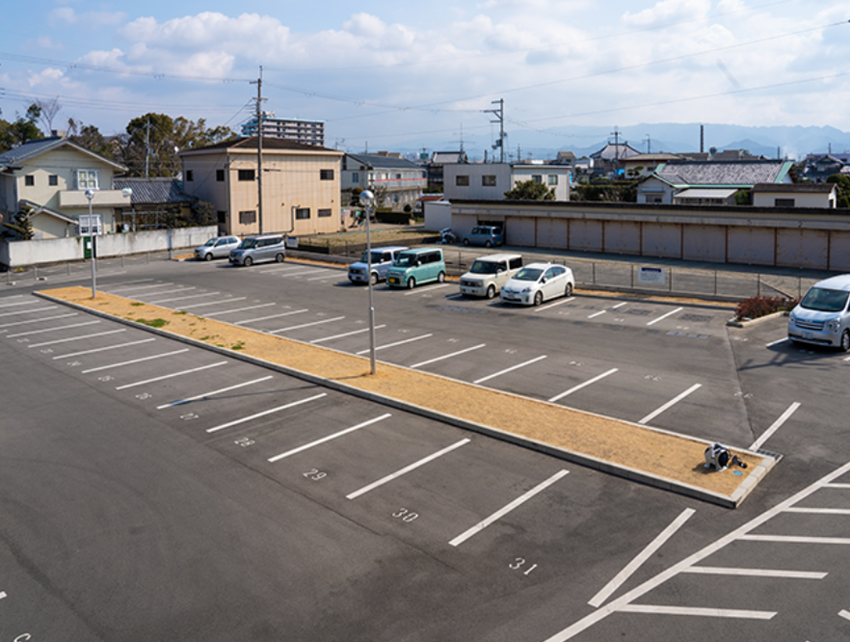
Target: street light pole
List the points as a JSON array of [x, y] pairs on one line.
[[90, 196], [367, 199]]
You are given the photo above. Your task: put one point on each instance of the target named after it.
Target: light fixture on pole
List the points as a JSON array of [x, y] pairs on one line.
[[90, 196], [367, 200]]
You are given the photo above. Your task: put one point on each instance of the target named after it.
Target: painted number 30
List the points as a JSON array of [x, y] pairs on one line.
[[405, 515]]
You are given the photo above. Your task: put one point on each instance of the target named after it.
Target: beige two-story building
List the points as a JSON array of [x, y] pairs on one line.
[[50, 178], [300, 186]]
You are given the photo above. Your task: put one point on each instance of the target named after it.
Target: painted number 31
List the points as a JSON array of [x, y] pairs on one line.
[[519, 563]]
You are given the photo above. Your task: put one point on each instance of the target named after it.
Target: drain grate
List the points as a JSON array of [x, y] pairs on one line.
[[698, 318]]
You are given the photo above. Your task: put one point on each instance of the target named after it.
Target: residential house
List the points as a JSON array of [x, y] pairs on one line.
[[644, 164], [436, 163], [796, 195], [609, 160], [490, 181], [52, 176], [151, 200], [820, 167], [306, 132], [395, 181], [709, 182], [300, 186]]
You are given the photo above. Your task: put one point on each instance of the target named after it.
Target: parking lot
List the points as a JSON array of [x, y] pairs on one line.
[[317, 514]]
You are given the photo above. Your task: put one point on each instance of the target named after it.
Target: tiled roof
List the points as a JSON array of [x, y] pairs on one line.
[[382, 162], [730, 173], [34, 148], [269, 143], [153, 190]]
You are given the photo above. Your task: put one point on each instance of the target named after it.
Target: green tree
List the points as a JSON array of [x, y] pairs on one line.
[[89, 136], [21, 223], [20, 131], [843, 183], [530, 190]]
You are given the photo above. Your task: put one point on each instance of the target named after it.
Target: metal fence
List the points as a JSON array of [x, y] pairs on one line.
[[78, 269]]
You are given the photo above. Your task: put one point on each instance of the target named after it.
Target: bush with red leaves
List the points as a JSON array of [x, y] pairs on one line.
[[759, 306]]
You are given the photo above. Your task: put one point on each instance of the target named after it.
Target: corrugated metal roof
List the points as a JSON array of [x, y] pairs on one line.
[[705, 192], [375, 161]]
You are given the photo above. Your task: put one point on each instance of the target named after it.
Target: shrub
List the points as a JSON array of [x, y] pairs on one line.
[[759, 306]]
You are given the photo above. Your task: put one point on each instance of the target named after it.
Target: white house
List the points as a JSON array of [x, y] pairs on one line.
[[490, 181], [795, 195]]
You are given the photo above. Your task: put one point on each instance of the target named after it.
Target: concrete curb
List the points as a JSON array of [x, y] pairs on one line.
[[745, 323], [655, 481]]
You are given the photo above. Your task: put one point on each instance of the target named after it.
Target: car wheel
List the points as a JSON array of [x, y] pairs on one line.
[[280, 257], [488, 244], [568, 291], [411, 283], [441, 277], [466, 241], [538, 297], [374, 279], [248, 262], [491, 291], [845, 341], [208, 256]]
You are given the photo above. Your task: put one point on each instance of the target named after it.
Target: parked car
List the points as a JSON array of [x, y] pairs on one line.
[[537, 282], [217, 247], [413, 267], [822, 316], [486, 235], [382, 259], [489, 273], [257, 249]]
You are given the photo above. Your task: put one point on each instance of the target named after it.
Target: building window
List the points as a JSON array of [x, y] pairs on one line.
[[90, 224], [222, 217], [355, 177], [325, 213], [302, 213], [326, 174], [784, 202], [29, 180], [537, 178], [219, 175], [53, 180], [190, 175], [246, 174], [87, 179], [462, 180], [553, 179], [249, 217], [488, 180]]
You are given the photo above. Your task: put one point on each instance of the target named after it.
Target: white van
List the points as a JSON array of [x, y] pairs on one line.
[[822, 316], [489, 273]]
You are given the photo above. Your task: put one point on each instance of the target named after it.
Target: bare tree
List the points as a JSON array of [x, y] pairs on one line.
[[49, 109]]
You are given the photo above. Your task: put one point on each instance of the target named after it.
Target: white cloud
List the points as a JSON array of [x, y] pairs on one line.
[[87, 19], [669, 11]]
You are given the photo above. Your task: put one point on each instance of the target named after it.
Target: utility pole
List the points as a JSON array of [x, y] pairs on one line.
[[500, 116], [147, 145], [260, 100]]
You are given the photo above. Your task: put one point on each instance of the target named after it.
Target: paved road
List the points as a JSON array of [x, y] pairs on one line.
[[150, 490]]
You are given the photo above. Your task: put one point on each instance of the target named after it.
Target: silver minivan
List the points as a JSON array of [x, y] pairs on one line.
[[822, 316], [257, 249], [489, 273]]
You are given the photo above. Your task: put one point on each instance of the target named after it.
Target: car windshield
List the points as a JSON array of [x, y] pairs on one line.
[[405, 260], [210, 242], [825, 300], [376, 256], [248, 244], [484, 267], [528, 274]]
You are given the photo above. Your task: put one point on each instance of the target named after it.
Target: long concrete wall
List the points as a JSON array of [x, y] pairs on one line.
[[24, 253]]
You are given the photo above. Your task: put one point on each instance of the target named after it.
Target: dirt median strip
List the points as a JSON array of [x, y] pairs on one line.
[[638, 450]]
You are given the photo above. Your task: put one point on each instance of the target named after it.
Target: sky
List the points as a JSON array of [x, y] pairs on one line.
[[384, 75]]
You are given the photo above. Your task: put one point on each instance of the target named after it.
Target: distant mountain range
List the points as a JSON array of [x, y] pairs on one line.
[[793, 143]]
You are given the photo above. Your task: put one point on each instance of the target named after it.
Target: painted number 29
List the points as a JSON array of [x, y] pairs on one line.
[[519, 563], [314, 474]]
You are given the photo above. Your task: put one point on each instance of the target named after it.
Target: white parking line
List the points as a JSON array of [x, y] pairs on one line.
[[328, 438], [597, 314], [511, 369], [219, 302], [266, 412], [844, 613], [250, 307], [452, 297], [406, 469], [120, 345], [307, 325], [273, 316], [175, 290], [664, 316], [331, 275], [10, 314], [286, 268], [701, 612], [820, 511], [14, 296], [54, 329], [169, 376], [302, 273], [3, 595], [84, 336], [347, 334], [670, 403], [27, 322], [519, 501], [428, 289], [125, 283], [397, 343], [777, 342], [650, 549], [554, 305], [214, 392], [775, 426], [619, 305], [16, 304], [183, 298], [755, 572], [448, 356], [583, 385], [795, 539], [127, 363], [837, 485], [141, 287]]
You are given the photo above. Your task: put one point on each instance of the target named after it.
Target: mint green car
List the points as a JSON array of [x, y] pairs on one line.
[[413, 267]]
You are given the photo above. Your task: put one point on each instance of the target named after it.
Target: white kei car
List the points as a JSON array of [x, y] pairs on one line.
[[538, 282]]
